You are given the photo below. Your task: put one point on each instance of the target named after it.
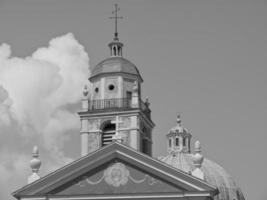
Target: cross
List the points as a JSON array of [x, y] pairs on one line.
[[117, 136], [115, 13]]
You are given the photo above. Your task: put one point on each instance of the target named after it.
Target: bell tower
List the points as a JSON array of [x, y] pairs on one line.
[[112, 109]]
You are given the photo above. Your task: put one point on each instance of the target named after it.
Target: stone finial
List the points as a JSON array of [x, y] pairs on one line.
[[35, 164], [179, 121], [147, 102], [135, 96], [85, 91], [135, 86], [85, 103], [198, 160]]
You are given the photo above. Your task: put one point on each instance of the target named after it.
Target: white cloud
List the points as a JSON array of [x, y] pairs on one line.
[[35, 93]]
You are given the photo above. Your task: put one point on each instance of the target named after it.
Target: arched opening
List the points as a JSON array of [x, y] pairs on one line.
[[177, 141], [108, 131], [170, 143], [119, 51], [114, 51]]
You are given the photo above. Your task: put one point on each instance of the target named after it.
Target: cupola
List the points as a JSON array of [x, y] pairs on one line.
[[178, 138], [116, 46]]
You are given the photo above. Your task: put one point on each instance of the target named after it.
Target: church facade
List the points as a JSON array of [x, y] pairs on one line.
[[116, 149]]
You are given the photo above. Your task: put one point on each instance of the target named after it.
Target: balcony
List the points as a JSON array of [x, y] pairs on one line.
[[117, 104]]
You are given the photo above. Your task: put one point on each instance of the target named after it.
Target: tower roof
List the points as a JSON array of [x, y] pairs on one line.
[[115, 65]]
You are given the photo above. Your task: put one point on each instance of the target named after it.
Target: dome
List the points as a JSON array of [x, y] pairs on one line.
[[180, 157], [178, 129], [115, 64], [214, 174]]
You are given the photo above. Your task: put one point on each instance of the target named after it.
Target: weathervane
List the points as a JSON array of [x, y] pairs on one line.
[[115, 13]]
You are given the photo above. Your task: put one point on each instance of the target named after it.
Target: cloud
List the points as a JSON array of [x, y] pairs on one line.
[[35, 93]]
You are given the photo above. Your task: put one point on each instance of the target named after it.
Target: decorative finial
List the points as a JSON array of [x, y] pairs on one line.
[[198, 157], [147, 102], [197, 147], [35, 164], [85, 91], [135, 86], [179, 121], [115, 13], [198, 160]]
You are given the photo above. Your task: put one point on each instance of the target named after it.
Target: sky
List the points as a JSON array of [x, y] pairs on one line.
[[204, 59]]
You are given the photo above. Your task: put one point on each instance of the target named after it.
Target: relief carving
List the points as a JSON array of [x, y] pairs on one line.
[[118, 175]]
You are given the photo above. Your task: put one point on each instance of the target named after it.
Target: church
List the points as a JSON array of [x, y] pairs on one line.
[[116, 148]]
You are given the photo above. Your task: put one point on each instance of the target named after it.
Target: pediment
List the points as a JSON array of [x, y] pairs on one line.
[[116, 177], [116, 169]]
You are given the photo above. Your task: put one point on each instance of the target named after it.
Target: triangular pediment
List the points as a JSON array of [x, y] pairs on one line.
[[116, 169], [116, 177]]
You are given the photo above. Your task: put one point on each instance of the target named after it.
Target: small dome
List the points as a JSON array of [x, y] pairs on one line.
[[214, 174], [178, 129], [115, 65]]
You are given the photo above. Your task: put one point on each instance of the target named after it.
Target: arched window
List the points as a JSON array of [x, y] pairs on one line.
[[177, 141], [114, 51], [119, 51], [107, 133], [170, 143]]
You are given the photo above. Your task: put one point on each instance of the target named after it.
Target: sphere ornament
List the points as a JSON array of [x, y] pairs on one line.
[[198, 157], [35, 165], [35, 162], [85, 91]]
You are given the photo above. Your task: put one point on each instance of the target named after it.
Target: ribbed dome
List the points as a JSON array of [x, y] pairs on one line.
[[115, 64], [214, 175], [178, 129]]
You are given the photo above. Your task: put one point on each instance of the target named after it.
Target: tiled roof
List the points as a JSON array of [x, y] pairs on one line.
[[115, 65], [214, 175]]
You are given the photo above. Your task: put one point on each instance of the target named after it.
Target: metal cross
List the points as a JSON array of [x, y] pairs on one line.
[[115, 13]]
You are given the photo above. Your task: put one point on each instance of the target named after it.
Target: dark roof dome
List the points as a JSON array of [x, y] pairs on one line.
[[113, 65], [214, 174]]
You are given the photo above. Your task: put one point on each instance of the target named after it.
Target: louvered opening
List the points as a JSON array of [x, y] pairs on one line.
[[108, 132]]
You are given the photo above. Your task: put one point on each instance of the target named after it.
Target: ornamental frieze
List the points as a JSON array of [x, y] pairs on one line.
[[116, 178], [118, 175]]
